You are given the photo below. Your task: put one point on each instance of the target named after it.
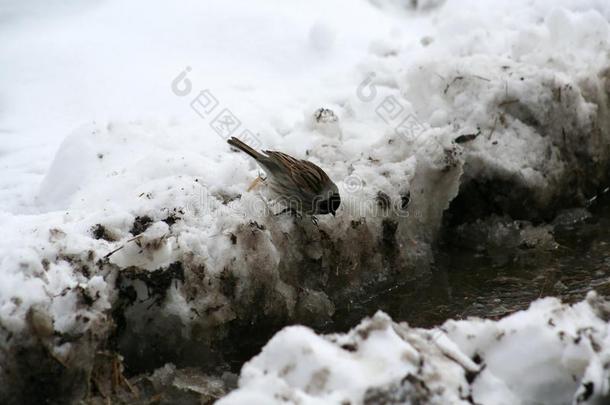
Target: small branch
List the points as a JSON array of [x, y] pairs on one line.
[[455, 79], [481, 78], [467, 137], [122, 246], [507, 102], [493, 128]]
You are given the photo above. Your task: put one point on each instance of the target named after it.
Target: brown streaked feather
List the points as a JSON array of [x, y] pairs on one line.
[[302, 172], [297, 180]]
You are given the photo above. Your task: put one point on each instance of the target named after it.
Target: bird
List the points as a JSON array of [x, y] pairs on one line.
[[301, 186]]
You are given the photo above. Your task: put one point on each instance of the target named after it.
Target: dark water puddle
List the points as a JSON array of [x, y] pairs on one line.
[[489, 283], [468, 283]]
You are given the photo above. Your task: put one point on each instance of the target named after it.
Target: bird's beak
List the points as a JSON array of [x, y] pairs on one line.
[[333, 212]]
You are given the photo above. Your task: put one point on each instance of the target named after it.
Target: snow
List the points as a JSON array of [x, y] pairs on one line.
[[549, 353], [116, 177], [110, 61]]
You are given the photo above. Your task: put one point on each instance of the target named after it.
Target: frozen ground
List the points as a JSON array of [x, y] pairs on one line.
[[126, 221]]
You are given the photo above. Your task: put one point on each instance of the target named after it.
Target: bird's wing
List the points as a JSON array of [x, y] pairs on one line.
[[306, 175]]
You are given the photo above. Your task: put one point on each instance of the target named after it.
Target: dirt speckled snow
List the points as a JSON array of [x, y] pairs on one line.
[[127, 222]]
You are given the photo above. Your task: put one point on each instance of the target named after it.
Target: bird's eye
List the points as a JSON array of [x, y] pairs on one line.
[[335, 202], [322, 205]]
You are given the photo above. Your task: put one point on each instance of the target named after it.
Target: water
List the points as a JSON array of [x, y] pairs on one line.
[[469, 283], [466, 282]]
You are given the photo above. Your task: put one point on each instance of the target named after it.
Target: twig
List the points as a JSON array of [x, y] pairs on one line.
[[507, 102], [542, 289], [455, 79], [122, 246], [493, 128], [255, 183], [115, 374], [481, 78], [128, 384], [467, 137]]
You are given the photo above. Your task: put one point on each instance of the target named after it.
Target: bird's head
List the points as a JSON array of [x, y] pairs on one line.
[[334, 203], [328, 204]]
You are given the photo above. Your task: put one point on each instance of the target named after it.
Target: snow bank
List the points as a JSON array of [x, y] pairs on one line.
[[550, 353], [144, 234]]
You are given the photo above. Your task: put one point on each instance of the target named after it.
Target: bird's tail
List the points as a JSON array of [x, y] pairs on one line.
[[233, 141]]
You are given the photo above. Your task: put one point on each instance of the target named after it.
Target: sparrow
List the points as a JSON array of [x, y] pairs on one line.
[[300, 185]]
